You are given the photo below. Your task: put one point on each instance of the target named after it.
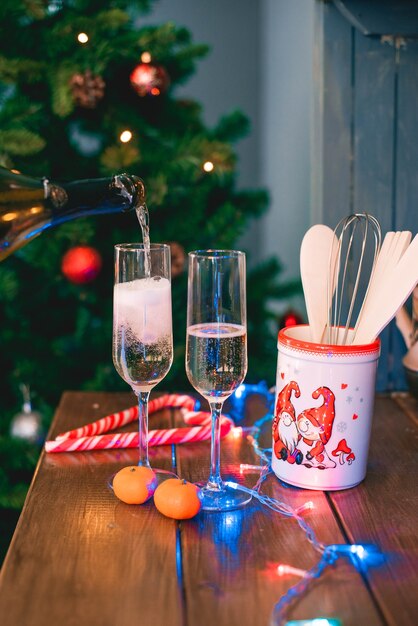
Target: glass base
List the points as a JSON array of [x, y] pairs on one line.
[[163, 475], [222, 499]]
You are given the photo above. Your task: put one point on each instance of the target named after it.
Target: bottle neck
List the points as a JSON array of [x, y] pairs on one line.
[[28, 206], [130, 188], [122, 192]]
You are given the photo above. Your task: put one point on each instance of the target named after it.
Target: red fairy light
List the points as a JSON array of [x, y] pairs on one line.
[[236, 432], [284, 570]]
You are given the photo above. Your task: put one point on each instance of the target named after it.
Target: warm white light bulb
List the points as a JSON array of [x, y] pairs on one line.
[[208, 166], [82, 37], [146, 57], [125, 136]]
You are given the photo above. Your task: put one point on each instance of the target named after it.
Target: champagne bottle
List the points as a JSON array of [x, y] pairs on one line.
[[28, 205]]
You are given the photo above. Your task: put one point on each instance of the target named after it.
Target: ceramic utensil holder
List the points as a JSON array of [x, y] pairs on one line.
[[323, 411]]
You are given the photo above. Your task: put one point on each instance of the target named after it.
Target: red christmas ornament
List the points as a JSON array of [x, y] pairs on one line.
[[148, 79], [81, 264], [290, 318]]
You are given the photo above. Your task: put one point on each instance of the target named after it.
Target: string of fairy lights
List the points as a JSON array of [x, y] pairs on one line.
[[361, 556]]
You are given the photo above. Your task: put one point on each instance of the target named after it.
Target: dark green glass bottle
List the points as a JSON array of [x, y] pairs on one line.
[[29, 205]]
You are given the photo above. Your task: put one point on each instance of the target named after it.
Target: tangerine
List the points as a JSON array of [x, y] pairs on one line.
[[177, 498], [134, 484]]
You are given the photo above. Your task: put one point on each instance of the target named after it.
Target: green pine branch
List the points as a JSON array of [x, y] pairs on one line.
[[56, 334]]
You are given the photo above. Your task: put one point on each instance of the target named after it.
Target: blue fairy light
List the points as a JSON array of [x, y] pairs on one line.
[[236, 403], [362, 556], [179, 558], [238, 393]]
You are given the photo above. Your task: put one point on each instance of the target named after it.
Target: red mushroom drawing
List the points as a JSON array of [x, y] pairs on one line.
[[344, 452]]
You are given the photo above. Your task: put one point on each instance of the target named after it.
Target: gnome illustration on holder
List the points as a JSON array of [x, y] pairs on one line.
[[285, 432], [315, 428]]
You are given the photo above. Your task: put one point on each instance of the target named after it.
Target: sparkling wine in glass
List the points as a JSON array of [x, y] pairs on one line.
[[142, 324], [216, 350]]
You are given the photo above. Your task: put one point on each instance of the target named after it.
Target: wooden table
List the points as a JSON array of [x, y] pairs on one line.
[[80, 557]]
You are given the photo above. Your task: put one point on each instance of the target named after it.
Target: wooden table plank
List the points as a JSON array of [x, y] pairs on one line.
[[384, 509], [79, 556], [228, 557], [408, 404]]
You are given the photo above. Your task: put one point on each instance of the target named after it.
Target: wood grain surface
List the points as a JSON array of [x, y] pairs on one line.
[[383, 510], [79, 556]]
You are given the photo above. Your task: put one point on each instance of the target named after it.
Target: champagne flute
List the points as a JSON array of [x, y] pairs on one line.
[[142, 324], [216, 350]]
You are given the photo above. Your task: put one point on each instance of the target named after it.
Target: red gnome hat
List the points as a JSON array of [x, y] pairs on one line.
[[283, 399], [325, 413]]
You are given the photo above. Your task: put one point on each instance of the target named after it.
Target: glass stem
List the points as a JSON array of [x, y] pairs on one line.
[[215, 480], [143, 397]]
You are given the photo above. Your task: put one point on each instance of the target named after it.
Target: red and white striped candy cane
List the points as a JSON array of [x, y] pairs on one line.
[[116, 420], [160, 437]]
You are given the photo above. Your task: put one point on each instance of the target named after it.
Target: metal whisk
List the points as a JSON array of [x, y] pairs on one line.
[[358, 239]]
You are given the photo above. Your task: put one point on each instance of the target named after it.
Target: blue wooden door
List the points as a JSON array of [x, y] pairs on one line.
[[366, 139]]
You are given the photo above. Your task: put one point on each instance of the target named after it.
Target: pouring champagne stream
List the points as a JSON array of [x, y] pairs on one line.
[[142, 322]]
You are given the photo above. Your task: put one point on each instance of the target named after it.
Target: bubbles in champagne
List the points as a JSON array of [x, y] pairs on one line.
[[216, 358], [141, 365], [142, 337]]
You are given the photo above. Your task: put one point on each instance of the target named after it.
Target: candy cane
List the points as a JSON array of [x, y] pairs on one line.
[[116, 420], [155, 437]]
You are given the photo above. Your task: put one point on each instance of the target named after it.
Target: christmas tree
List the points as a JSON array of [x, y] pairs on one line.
[[85, 92]]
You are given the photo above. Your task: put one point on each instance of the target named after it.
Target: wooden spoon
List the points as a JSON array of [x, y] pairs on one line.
[[317, 258], [396, 286], [393, 246]]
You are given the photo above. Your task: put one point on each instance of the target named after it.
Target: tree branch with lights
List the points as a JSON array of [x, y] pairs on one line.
[[87, 91]]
